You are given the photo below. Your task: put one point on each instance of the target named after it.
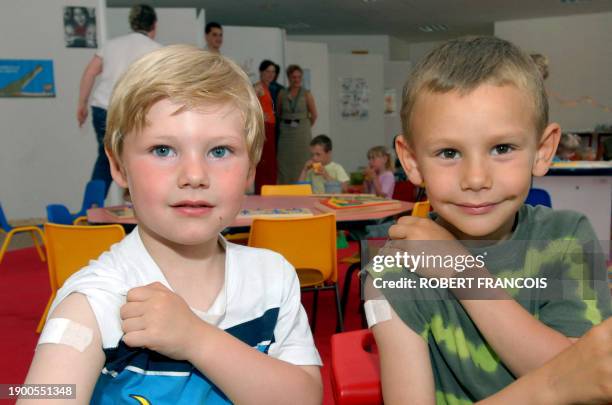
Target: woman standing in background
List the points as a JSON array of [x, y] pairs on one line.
[[267, 167], [297, 114]]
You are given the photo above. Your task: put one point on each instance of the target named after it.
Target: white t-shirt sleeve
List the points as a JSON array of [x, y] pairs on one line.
[[293, 338]]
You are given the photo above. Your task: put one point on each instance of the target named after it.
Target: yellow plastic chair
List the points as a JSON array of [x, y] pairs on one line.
[[10, 231], [70, 248], [421, 209], [286, 189], [309, 244]]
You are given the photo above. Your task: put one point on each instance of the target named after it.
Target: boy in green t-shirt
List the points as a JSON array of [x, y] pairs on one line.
[[475, 130], [321, 170]]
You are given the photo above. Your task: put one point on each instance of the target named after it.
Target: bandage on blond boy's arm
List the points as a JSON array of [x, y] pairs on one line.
[[60, 363]]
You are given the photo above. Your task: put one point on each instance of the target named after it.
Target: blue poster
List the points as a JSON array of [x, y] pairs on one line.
[[26, 78]]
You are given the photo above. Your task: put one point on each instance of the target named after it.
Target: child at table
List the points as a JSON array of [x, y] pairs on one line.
[[475, 131], [568, 149], [379, 178], [174, 313], [321, 170]]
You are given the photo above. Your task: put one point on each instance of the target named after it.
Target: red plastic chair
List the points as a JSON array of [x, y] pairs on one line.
[[355, 369]]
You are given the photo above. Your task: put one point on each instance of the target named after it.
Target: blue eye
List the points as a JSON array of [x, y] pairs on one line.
[[219, 152], [163, 151], [448, 154], [502, 149]]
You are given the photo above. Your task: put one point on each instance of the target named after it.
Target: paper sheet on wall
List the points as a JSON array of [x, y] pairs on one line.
[[354, 98]]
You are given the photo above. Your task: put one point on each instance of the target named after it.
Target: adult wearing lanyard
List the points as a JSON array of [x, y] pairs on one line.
[[110, 62], [267, 167], [297, 113]]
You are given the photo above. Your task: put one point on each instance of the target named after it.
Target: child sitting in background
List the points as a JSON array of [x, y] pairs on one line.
[[379, 177], [320, 169], [568, 148]]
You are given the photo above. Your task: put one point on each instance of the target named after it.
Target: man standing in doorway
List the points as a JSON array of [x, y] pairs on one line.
[[213, 36]]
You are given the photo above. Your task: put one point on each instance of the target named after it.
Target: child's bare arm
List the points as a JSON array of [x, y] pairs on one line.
[[63, 364], [405, 368], [580, 374], [160, 320]]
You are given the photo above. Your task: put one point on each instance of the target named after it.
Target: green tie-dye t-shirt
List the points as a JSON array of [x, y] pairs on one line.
[[560, 246]]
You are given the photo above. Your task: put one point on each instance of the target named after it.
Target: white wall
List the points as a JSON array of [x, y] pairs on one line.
[[353, 138], [374, 44], [314, 56], [395, 75], [176, 25], [45, 158], [419, 50], [248, 46], [579, 49]]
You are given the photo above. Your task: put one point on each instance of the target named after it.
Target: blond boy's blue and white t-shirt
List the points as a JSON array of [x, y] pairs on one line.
[[259, 304]]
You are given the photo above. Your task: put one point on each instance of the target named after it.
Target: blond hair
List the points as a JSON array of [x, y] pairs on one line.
[[381, 151], [187, 76], [463, 64]]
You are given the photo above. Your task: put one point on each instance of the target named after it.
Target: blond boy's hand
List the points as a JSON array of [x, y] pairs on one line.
[[158, 319]]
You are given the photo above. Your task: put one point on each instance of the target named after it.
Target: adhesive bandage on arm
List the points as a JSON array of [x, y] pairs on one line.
[[66, 332], [377, 311]]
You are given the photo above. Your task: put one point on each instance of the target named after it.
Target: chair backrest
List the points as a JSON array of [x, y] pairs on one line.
[[421, 209], [3, 221], [307, 243], [538, 196], [287, 189], [59, 214], [71, 247], [404, 190], [94, 195]]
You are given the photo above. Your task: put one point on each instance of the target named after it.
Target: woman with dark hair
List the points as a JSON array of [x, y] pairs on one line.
[[297, 114], [266, 169]]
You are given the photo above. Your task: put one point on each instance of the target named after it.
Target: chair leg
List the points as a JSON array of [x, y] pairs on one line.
[[347, 285], [7, 241], [43, 319], [315, 304], [41, 254], [340, 321]]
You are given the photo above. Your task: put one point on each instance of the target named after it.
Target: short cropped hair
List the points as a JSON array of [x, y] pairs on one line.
[[266, 63], [142, 18], [376, 151], [322, 140], [463, 64], [187, 76], [293, 68], [542, 62], [212, 25]]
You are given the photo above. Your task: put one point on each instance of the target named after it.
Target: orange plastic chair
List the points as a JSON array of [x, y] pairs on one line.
[[70, 248], [10, 231], [309, 244], [286, 189], [421, 209]]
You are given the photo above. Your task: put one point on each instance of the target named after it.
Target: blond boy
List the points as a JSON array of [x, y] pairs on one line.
[[475, 130], [175, 313]]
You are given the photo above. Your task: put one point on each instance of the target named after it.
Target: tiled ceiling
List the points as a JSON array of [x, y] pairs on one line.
[[399, 18]]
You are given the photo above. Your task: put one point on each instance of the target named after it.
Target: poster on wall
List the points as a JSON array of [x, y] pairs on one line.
[[390, 103], [354, 98], [80, 27], [26, 78]]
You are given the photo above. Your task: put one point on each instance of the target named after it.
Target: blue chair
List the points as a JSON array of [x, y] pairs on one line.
[[59, 214], [538, 196], [10, 231], [94, 196]]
